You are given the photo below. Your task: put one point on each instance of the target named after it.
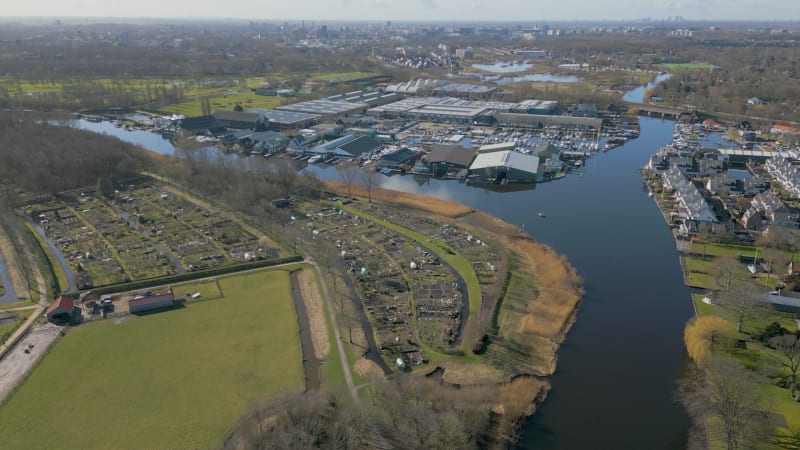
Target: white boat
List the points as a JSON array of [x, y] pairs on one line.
[[650, 194], [315, 159], [540, 214]]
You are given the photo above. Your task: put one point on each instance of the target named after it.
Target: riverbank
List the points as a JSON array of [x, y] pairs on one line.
[[518, 347]]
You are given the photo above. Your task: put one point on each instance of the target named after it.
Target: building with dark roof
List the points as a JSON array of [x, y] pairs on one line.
[[279, 120], [400, 159], [350, 146], [447, 158], [240, 119], [202, 125]]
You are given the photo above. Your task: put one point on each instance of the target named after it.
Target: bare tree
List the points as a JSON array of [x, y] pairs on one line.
[[725, 270], [284, 174], [788, 347], [742, 301], [370, 179], [722, 389], [348, 170]]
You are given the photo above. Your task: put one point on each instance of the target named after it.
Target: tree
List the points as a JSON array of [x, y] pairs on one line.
[[742, 301], [370, 180], [703, 333], [721, 389], [104, 188], [348, 171], [788, 347], [284, 174], [725, 270]]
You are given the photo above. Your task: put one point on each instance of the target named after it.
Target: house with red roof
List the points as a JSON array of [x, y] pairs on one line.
[[782, 129], [61, 310]]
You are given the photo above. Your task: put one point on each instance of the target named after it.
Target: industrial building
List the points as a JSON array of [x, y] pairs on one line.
[[350, 146], [540, 121], [445, 159], [240, 119], [326, 108], [278, 120], [504, 167], [147, 303]]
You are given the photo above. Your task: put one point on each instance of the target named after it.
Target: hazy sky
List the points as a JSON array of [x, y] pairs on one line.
[[438, 10]]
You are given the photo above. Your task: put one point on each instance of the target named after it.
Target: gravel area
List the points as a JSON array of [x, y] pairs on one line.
[[16, 364]]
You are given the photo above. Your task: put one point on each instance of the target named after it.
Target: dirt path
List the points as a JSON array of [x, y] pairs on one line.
[[16, 364], [311, 363], [316, 316]]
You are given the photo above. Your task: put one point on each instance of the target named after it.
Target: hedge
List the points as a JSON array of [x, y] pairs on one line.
[[179, 278]]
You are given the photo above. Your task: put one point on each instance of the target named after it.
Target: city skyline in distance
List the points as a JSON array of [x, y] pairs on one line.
[[415, 10]]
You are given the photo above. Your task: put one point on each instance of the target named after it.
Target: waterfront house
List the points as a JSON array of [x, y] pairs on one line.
[[775, 211]]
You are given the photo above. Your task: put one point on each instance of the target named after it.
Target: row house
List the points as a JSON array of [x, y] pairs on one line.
[[691, 203], [782, 171], [774, 211]]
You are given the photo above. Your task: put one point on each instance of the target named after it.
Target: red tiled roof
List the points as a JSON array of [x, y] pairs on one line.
[[64, 302]]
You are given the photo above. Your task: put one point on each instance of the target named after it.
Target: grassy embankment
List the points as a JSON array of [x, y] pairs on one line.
[[759, 358], [175, 379]]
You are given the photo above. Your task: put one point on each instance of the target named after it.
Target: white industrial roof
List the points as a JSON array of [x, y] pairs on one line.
[[508, 159]]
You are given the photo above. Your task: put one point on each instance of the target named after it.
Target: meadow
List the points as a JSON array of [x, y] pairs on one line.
[[175, 379]]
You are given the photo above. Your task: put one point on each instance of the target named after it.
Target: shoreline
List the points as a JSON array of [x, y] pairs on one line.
[[544, 321]]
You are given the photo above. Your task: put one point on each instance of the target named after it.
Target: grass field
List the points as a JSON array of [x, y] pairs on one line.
[[176, 379], [687, 66], [246, 98]]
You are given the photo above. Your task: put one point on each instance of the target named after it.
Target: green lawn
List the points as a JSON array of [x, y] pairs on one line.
[[176, 379], [731, 250], [246, 98], [687, 66]]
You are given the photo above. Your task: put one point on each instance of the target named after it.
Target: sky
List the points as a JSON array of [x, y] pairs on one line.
[[413, 10]]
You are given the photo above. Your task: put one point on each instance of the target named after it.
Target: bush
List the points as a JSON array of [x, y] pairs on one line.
[[774, 329]]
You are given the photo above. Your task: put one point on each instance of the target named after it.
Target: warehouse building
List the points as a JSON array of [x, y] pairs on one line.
[[148, 303], [504, 167], [278, 120]]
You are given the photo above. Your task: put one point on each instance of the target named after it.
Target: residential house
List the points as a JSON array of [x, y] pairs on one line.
[[775, 211], [61, 311], [782, 171]]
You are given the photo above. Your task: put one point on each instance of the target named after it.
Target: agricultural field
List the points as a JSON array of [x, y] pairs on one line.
[[176, 379], [141, 233]]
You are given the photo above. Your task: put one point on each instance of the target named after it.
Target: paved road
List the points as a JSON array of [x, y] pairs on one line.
[[11, 294]]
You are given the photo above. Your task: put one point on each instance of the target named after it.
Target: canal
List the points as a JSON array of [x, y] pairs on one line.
[[617, 370]]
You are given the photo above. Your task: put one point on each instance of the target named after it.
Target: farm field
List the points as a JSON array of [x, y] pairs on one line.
[[176, 379]]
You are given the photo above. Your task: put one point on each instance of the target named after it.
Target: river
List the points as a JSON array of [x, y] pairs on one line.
[[615, 383]]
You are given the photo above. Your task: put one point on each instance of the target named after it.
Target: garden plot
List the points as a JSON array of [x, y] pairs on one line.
[[90, 256], [410, 297], [199, 238], [138, 255]]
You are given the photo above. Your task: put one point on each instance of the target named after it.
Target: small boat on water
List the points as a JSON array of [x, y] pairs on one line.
[[540, 214], [315, 159], [650, 194]]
